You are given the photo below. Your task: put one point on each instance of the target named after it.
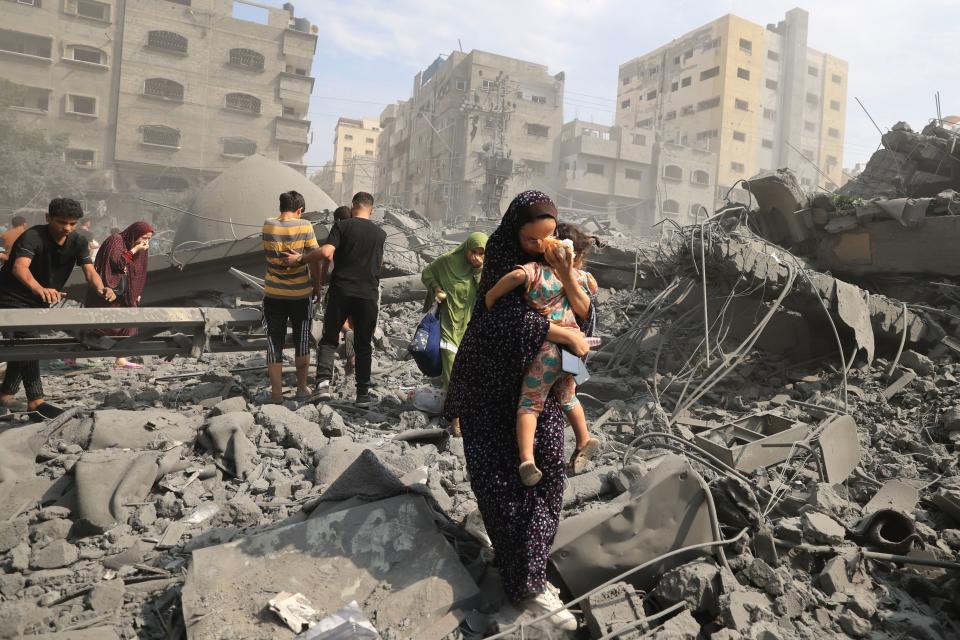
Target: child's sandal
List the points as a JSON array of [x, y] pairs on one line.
[[529, 474], [580, 457]]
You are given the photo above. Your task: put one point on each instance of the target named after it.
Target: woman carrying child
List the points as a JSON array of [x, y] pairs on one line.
[[563, 297]]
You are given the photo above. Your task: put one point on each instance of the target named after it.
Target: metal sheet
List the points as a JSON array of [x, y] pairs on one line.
[[666, 509], [853, 310], [839, 448], [69, 319]]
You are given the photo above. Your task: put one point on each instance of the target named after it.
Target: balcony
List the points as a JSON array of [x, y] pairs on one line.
[[590, 182], [593, 146], [298, 45], [294, 90], [292, 130]]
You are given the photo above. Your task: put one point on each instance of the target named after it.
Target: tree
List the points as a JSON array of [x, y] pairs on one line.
[[31, 162]]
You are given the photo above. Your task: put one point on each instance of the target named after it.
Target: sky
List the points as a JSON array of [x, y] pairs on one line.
[[899, 53]]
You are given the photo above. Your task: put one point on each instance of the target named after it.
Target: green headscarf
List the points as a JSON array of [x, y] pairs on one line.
[[453, 273]]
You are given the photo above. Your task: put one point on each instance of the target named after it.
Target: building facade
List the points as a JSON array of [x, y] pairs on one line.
[[607, 172], [478, 129], [66, 56], [162, 95], [758, 97], [354, 163]]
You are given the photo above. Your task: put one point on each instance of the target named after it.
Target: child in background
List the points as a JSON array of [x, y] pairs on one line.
[[544, 291]]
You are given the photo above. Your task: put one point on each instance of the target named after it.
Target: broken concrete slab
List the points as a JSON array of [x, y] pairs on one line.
[[341, 556], [666, 509], [821, 529], [117, 428], [291, 430], [107, 481], [226, 436], [616, 606]]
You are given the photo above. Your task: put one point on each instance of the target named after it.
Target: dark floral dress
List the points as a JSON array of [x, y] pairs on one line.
[[484, 392]]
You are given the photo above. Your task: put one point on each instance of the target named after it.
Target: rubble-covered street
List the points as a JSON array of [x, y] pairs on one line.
[[779, 460]]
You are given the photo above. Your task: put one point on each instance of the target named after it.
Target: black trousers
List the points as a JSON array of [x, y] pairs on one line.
[[26, 372], [363, 317]]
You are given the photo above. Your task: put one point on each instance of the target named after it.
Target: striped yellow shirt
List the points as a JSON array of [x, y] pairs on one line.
[[287, 235]]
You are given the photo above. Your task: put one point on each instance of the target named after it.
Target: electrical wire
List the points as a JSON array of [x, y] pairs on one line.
[[620, 578]]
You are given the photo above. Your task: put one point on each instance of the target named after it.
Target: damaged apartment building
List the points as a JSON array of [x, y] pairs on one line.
[[478, 129], [153, 94], [757, 98]]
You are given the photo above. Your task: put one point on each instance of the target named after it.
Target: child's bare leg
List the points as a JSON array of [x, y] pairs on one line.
[[578, 420], [526, 430], [303, 368]]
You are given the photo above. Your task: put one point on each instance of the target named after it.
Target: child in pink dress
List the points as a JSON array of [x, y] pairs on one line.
[[544, 291]]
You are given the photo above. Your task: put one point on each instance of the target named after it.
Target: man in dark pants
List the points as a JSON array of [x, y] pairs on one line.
[[354, 293], [40, 263]]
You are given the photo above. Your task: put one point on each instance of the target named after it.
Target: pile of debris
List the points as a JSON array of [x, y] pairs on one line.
[[779, 460]]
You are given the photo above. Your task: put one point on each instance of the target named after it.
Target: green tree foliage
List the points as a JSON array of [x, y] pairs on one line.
[[31, 162]]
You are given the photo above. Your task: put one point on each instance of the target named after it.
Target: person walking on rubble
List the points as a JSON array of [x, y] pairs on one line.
[[484, 393], [357, 244], [454, 277], [121, 263], [40, 263], [289, 293], [563, 297]]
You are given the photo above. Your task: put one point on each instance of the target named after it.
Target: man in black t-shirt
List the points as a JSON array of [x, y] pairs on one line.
[[354, 293], [40, 263]]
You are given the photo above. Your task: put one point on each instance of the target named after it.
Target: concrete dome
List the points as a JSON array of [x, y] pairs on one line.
[[245, 194]]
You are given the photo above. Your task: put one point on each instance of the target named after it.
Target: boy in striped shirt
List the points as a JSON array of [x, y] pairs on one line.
[[288, 292]]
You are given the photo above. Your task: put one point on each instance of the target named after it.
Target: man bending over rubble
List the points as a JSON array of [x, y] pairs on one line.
[[354, 293], [40, 263]]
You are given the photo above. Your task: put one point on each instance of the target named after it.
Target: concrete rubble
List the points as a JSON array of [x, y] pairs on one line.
[[780, 458]]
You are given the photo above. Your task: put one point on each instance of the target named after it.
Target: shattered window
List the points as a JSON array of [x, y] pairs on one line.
[[652, 94], [80, 157], [736, 167], [739, 136], [625, 104], [239, 147], [743, 105], [743, 74], [670, 115], [243, 102], [700, 177], [746, 46], [538, 130], [673, 172], [160, 136], [84, 105], [836, 79], [246, 58], [710, 73], [595, 168], [772, 84], [633, 174], [773, 55], [88, 54], [670, 206], [163, 88], [712, 103], [835, 105], [167, 40], [685, 82]]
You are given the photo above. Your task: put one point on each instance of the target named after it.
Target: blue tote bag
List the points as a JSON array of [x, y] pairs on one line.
[[425, 345]]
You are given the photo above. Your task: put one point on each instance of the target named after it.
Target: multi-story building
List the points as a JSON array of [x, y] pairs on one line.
[[66, 56], [607, 172], [478, 129], [760, 98], [391, 184], [200, 89], [161, 95]]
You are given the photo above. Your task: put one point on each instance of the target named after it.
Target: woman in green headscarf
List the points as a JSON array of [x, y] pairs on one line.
[[455, 275]]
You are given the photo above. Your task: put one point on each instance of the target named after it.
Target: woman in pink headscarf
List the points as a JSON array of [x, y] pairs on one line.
[[122, 265]]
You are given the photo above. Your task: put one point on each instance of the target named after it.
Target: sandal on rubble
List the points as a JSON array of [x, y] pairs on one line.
[[580, 457]]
